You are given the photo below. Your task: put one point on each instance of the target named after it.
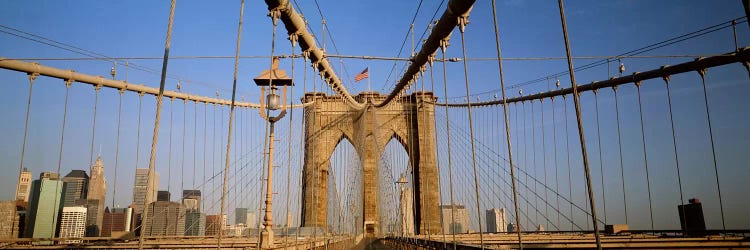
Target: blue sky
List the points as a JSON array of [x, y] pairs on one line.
[[374, 28]]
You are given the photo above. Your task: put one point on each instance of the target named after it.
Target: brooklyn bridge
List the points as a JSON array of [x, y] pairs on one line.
[[461, 124]]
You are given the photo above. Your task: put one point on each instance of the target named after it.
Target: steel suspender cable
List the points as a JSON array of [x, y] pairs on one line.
[[581, 136], [462, 22], [645, 155], [184, 129], [293, 39], [117, 151], [171, 121], [437, 162], [533, 153], [62, 138], [601, 159], [619, 147], [231, 120], [526, 163], [138, 134], [32, 77], [544, 161], [444, 46], [159, 97], [195, 139], [213, 150], [557, 179], [205, 142], [93, 126], [713, 148], [424, 121], [567, 154], [302, 153], [674, 144]]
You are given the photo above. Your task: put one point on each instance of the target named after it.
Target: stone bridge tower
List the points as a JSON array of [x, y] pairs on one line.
[[410, 120]]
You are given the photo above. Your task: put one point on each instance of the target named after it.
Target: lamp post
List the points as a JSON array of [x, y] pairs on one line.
[[271, 78]]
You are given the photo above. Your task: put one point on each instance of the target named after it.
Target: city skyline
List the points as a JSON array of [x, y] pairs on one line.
[[649, 145]]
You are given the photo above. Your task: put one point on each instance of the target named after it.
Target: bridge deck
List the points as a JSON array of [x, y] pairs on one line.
[[583, 240]]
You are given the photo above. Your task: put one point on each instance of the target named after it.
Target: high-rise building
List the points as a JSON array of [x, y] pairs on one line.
[[164, 218], [214, 224], [251, 219], [192, 199], [116, 221], [9, 219], [24, 185], [45, 202], [140, 187], [163, 196], [460, 223], [97, 182], [195, 223], [96, 195], [76, 187], [73, 223], [240, 215], [497, 220]]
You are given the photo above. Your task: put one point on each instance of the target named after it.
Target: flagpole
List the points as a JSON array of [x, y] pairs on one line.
[[368, 78]]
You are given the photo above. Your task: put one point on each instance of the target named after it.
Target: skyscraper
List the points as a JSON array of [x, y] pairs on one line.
[[251, 219], [97, 183], [497, 220], [8, 220], [460, 223], [97, 191], [214, 224], [116, 221], [195, 223], [73, 223], [140, 186], [163, 196], [192, 199], [75, 187], [165, 218], [240, 215], [45, 202], [24, 185]]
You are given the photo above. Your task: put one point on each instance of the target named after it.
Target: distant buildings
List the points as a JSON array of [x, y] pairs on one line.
[[164, 218], [191, 199], [497, 220], [214, 223], [513, 228], [24, 185], [76, 186], [44, 205], [240, 215], [195, 223], [252, 220], [9, 220], [460, 222], [117, 221], [96, 195], [140, 187], [73, 223], [163, 196]]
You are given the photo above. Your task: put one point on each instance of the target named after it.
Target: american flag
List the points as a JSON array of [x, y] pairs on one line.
[[362, 75]]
